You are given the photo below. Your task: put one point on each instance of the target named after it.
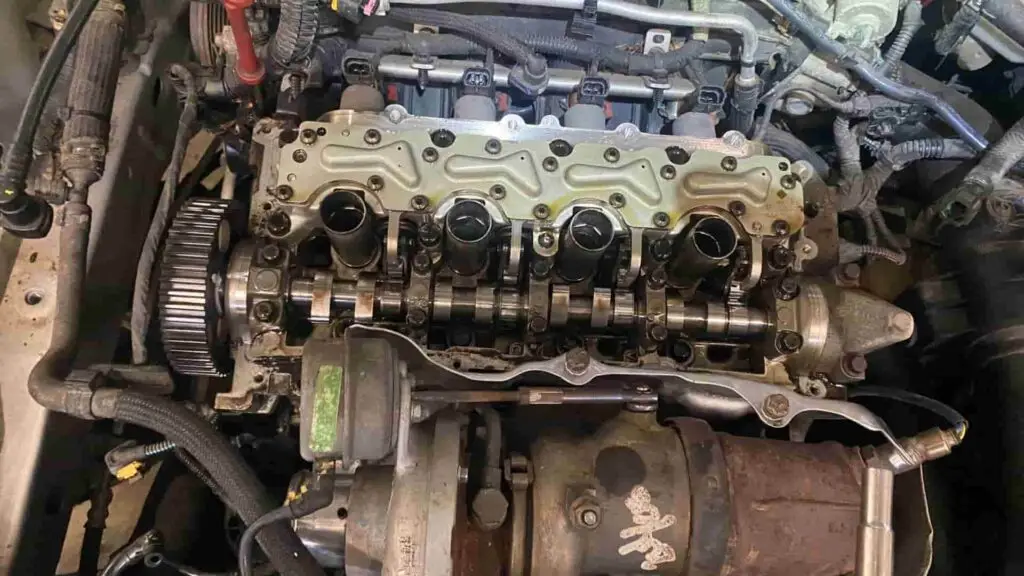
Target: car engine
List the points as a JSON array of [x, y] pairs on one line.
[[548, 287]]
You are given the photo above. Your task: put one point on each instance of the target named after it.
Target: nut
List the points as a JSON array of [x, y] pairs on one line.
[[776, 406]]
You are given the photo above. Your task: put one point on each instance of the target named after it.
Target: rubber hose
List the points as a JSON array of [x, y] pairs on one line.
[[91, 96], [142, 305], [912, 22], [295, 33], [486, 35], [744, 105], [47, 138], [879, 80], [998, 161], [14, 204], [847, 148], [899, 155], [271, 518], [788, 145], [214, 453]]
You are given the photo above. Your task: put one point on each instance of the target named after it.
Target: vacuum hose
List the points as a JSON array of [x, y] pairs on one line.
[[25, 215]]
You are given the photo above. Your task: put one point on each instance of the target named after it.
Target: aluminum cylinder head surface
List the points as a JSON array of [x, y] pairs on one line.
[[649, 181]]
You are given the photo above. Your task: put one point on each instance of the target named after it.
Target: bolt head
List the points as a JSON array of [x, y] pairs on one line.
[[430, 234], [546, 239], [589, 518], [737, 208], [537, 324], [264, 311], [611, 155], [490, 508], [780, 227], [442, 138], [416, 317], [308, 136], [658, 332], [855, 365], [271, 253], [429, 155], [493, 146], [668, 172], [776, 406], [661, 249], [421, 263], [372, 136], [657, 278], [560, 148], [541, 212], [787, 288], [729, 163], [550, 164], [617, 200], [788, 342], [541, 268], [284, 192], [661, 219], [299, 156], [420, 202], [278, 223], [677, 155]]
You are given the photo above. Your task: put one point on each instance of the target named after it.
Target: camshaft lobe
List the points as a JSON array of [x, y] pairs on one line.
[[489, 304]]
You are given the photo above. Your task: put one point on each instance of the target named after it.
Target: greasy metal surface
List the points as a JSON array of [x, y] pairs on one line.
[[342, 157], [41, 452], [797, 507], [754, 393], [366, 525], [629, 456]]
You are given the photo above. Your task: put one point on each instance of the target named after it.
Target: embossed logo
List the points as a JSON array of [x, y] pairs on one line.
[[647, 520]]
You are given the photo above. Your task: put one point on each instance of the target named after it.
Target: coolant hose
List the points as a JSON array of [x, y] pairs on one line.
[[912, 22], [847, 148], [239, 484], [474, 29], [878, 79], [25, 215], [998, 161], [786, 144], [295, 33]]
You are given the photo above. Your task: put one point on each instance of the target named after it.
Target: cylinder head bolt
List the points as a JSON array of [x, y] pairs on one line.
[[468, 226]]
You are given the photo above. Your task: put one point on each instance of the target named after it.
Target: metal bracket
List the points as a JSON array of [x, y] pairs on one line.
[[519, 475]]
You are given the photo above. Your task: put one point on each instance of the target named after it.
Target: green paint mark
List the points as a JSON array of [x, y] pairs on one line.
[[326, 401]]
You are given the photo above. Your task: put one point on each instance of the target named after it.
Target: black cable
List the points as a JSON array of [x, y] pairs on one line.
[[19, 155], [913, 399], [249, 536]]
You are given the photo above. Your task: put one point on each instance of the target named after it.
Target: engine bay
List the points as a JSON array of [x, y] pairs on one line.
[[548, 287]]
